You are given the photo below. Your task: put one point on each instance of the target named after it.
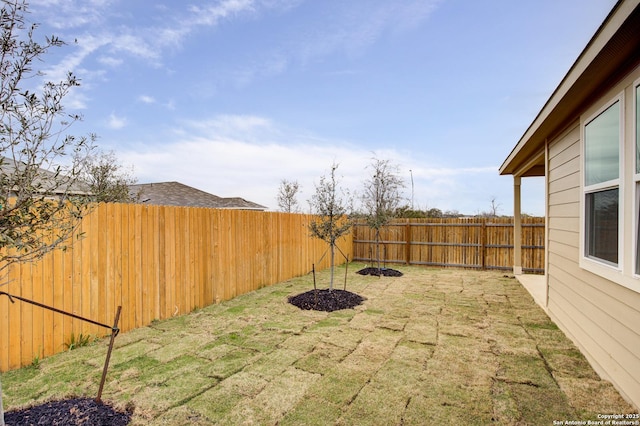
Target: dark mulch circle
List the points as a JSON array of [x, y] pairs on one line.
[[75, 411], [326, 300], [386, 272]]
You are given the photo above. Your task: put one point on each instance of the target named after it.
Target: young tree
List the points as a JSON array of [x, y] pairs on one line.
[[331, 206], [108, 179], [287, 193], [41, 201], [381, 196]]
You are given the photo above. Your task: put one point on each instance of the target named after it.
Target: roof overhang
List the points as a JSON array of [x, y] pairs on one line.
[[612, 53]]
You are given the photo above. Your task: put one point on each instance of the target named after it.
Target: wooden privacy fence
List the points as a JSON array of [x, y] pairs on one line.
[[479, 243], [155, 261]]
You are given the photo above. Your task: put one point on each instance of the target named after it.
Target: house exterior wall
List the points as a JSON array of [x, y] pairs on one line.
[[598, 310]]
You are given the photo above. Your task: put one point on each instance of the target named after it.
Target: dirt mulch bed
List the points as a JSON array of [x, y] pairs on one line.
[[379, 272], [75, 411], [326, 300]]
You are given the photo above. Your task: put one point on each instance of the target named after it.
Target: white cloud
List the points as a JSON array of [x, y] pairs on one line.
[[64, 14], [246, 126], [171, 36], [209, 15], [88, 22], [146, 99], [350, 28], [248, 156], [355, 26], [115, 122], [150, 100], [137, 46], [110, 61], [85, 46]]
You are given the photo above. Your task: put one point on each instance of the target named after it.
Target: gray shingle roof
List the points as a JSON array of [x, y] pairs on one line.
[[45, 181], [178, 194]]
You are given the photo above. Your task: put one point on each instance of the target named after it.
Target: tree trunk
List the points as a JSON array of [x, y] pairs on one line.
[[378, 248], [332, 260]]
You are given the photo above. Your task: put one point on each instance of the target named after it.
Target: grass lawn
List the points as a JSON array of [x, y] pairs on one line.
[[433, 346]]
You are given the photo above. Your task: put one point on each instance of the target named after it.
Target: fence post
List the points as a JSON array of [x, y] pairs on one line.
[[483, 243], [407, 249]]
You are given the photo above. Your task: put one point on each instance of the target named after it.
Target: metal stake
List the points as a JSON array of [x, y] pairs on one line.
[[114, 330], [315, 289], [346, 268], [114, 333]]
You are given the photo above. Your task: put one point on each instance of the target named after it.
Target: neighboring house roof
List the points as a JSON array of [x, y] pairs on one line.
[[178, 194], [46, 181], [613, 51]]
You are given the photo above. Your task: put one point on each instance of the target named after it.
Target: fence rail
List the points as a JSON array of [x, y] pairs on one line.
[[156, 262], [476, 243], [159, 261]]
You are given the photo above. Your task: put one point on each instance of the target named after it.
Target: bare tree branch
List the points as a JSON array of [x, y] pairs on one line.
[[287, 196]]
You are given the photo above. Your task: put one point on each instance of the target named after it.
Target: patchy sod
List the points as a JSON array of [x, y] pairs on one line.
[[431, 346]]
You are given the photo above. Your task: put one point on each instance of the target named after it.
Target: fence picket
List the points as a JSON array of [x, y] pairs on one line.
[[462, 243], [152, 260]]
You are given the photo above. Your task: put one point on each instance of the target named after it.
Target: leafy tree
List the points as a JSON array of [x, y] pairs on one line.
[[452, 213], [331, 206], [381, 197], [287, 193], [41, 196], [434, 212], [407, 212], [108, 180]]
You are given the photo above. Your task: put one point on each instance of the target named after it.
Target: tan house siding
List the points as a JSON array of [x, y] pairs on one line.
[[595, 298], [564, 201], [600, 316]]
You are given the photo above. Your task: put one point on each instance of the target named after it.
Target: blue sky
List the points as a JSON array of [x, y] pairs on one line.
[[232, 96]]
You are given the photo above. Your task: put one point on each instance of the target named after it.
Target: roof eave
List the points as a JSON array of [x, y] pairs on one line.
[[611, 52]]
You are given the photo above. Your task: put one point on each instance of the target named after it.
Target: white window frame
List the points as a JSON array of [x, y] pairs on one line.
[[636, 181], [602, 267]]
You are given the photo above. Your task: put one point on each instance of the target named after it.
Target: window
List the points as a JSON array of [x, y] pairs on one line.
[[601, 185], [610, 185], [602, 225], [637, 130]]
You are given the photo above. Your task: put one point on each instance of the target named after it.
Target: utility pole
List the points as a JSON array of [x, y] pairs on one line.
[[411, 173]]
